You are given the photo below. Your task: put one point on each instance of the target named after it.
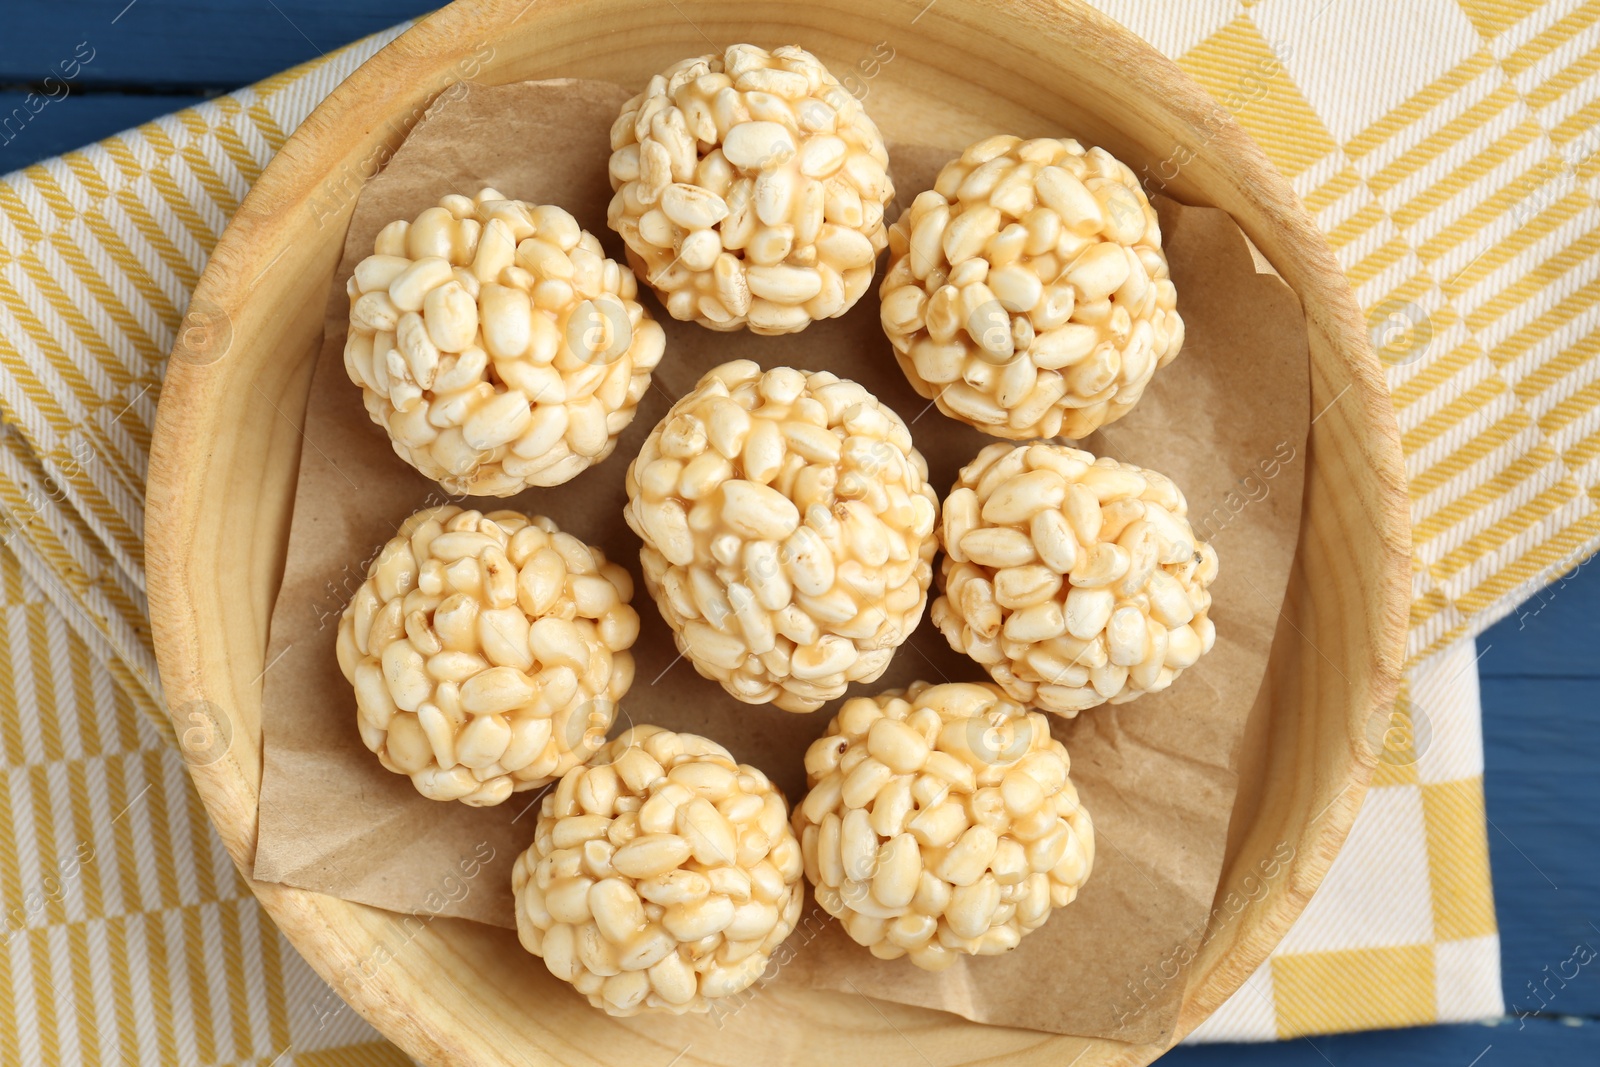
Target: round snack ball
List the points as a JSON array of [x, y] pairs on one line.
[[487, 652], [750, 190], [788, 532], [1076, 581], [1027, 293], [661, 875], [941, 822], [497, 344]]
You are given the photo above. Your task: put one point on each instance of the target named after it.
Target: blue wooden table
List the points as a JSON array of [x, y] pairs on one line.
[[100, 67]]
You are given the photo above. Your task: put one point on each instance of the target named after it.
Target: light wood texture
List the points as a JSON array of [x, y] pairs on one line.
[[227, 438]]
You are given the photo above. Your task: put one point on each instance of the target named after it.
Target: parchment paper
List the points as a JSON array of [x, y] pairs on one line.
[[1158, 775]]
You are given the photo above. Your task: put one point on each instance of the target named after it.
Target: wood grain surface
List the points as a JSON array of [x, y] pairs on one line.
[[220, 496]]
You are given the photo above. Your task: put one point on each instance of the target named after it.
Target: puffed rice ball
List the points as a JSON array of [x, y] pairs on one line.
[[487, 652], [1076, 581], [788, 532], [497, 344], [1027, 293], [750, 190], [661, 875], [941, 822]]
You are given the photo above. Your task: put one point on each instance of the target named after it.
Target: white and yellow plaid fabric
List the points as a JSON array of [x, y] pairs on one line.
[[1444, 145], [1402, 930]]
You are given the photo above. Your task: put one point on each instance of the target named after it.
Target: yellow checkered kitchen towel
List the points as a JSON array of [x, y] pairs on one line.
[[1446, 147]]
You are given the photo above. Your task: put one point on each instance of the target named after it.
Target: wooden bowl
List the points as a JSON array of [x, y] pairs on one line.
[[227, 440]]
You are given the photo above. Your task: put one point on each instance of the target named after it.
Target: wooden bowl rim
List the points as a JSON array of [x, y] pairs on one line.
[[262, 225]]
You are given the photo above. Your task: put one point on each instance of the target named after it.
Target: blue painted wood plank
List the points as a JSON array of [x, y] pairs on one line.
[[1540, 680], [1555, 633], [215, 44], [27, 136], [1542, 744], [1540, 1041]]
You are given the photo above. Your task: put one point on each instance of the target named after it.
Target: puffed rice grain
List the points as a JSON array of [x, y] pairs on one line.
[[941, 822], [487, 652], [497, 345], [1027, 293], [750, 189], [1075, 581], [661, 875], [788, 532]]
